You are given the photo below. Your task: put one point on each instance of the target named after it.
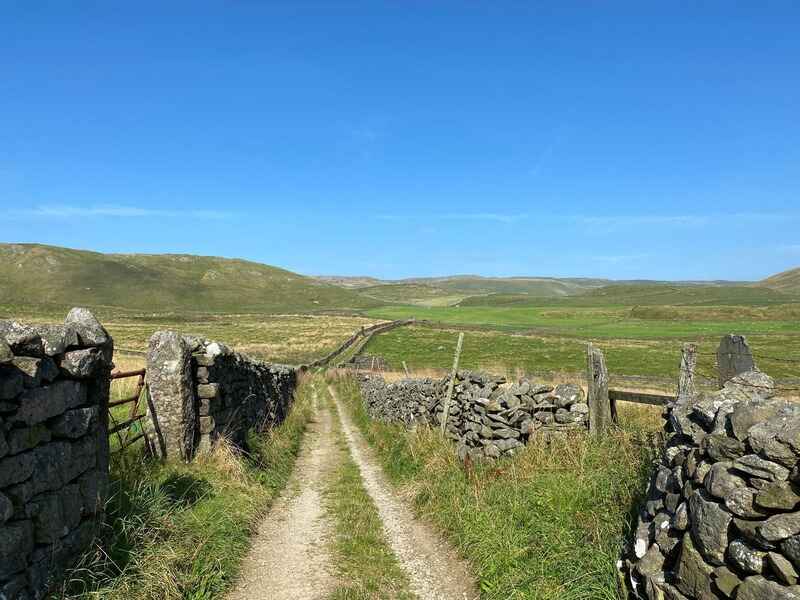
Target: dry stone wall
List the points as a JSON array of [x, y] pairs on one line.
[[722, 514], [488, 416], [201, 391], [54, 386]]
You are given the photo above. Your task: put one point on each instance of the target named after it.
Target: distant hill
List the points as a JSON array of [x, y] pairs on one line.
[[37, 274], [787, 281], [350, 282], [540, 287], [412, 293], [475, 290], [467, 285]]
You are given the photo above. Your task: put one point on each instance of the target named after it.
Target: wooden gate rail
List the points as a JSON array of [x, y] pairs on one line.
[[133, 418], [639, 398]]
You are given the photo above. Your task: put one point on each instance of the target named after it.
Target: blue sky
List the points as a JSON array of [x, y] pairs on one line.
[[654, 140]]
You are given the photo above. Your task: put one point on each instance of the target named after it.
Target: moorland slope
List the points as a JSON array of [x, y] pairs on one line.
[[48, 275], [787, 281]]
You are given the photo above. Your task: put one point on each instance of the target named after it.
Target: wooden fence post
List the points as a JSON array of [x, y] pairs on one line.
[[686, 374], [449, 394], [600, 411]]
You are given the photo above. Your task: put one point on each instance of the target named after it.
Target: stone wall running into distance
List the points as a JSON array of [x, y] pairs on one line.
[[202, 391], [488, 416], [54, 386], [722, 513]]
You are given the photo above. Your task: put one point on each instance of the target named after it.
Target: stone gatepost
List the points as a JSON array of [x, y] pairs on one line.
[[734, 357], [172, 409]]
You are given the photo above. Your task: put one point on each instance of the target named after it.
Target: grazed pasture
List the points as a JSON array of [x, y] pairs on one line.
[[638, 341]]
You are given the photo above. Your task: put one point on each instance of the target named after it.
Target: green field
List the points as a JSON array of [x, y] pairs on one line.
[[603, 322], [647, 295], [639, 341]]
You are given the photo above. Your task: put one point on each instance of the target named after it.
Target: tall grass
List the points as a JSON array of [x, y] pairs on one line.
[[547, 524], [180, 530]]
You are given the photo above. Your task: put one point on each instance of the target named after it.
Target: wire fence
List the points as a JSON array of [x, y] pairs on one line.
[[707, 369]]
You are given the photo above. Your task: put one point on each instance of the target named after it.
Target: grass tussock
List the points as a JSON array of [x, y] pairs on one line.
[[365, 563], [545, 525], [179, 531]]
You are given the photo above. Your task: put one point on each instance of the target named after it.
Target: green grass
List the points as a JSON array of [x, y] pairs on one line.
[[637, 294], [546, 525], [424, 347], [645, 295], [42, 275], [366, 564], [601, 322], [179, 531]]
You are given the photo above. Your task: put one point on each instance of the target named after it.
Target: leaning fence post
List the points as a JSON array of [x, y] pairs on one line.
[[686, 374], [600, 417], [448, 395]]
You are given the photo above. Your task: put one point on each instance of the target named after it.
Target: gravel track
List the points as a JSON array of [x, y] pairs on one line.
[[289, 559], [434, 568]]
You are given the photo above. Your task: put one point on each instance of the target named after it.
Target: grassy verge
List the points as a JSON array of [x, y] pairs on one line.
[[181, 530], [366, 565], [545, 525]]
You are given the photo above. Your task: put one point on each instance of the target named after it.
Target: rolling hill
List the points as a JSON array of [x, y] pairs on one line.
[[46, 275], [475, 290], [787, 281], [462, 286], [540, 287]]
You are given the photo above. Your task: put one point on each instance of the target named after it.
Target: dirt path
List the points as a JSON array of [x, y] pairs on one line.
[[289, 559], [435, 570]]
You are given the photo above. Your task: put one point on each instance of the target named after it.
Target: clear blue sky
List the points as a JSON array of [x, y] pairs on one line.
[[638, 139]]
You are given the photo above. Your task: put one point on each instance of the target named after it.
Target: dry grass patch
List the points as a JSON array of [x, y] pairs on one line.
[[291, 339]]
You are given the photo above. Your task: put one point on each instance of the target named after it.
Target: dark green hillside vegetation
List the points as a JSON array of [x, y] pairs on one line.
[[41, 275]]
